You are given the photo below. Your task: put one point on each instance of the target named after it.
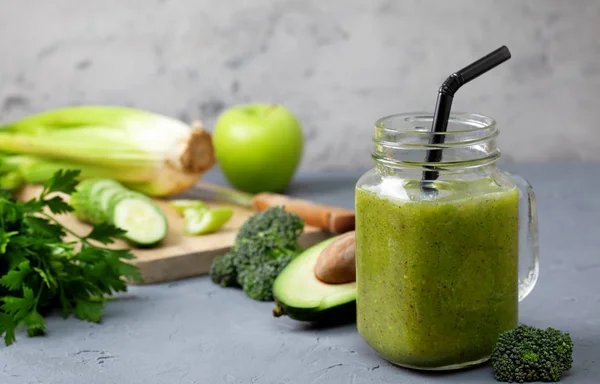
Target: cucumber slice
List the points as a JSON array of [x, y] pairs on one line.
[[99, 184], [97, 213], [79, 199], [79, 203], [183, 204], [104, 197], [106, 200], [144, 222], [200, 222], [85, 201], [85, 185], [117, 197]]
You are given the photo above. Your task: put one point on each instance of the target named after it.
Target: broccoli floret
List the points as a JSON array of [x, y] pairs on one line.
[[264, 245], [222, 270], [257, 279], [275, 227], [527, 354]]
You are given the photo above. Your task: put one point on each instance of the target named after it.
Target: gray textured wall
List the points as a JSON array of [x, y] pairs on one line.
[[338, 64]]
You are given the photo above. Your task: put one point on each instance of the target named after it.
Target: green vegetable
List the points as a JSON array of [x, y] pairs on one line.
[[223, 270], [301, 296], [264, 245], [148, 152], [199, 218], [106, 201], [182, 204], [202, 221], [40, 272], [527, 354], [257, 279], [86, 200], [144, 222]]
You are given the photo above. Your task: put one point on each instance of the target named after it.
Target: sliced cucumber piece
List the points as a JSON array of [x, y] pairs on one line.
[[78, 201], [85, 201], [117, 197], [85, 185], [144, 222], [203, 221], [93, 201], [183, 204], [105, 197], [106, 200], [99, 184]]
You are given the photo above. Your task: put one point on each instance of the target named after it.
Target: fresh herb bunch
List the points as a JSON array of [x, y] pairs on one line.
[[40, 272]]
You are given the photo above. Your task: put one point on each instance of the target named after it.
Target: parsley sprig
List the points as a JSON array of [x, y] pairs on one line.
[[40, 271]]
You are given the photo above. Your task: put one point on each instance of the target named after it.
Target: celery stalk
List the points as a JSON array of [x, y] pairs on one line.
[[151, 153]]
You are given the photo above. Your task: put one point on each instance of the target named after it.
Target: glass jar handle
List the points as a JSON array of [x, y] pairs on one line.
[[529, 258]]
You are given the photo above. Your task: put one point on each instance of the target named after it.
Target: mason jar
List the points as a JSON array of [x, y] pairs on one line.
[[444, 250]]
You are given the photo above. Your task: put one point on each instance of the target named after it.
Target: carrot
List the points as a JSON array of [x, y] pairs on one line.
[[332, 219]]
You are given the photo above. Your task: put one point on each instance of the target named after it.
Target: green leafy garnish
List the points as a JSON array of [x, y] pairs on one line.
[[40, 272]]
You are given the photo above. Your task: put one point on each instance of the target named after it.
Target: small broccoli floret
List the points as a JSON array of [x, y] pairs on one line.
[[274, 226], [257, 279], [265, 244], [222, 270], [527, 354]]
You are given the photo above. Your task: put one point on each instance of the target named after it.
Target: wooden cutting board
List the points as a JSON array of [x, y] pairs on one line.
[[179, 256]]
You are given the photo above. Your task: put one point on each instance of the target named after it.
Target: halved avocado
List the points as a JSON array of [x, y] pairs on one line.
[[300, 295]]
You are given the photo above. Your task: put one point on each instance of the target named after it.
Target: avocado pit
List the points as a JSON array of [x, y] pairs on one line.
[[337, 262]]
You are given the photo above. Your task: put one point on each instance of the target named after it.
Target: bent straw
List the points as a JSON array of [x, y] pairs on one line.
[[444, 103]]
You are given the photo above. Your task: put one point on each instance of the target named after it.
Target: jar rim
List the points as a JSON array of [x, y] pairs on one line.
[[408, 120], [405, 139]]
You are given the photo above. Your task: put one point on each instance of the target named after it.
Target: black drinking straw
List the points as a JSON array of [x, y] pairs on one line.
[[444, 103]]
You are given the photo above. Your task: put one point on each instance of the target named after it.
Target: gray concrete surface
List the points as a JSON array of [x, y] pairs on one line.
[[338, 64], [195, 332]]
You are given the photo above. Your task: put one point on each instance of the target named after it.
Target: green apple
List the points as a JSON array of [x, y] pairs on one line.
[[258, 146]]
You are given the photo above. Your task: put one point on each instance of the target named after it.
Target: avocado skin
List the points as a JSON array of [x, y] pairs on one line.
[[339, 314]]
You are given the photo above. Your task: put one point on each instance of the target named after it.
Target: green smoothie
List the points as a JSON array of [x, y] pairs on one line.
[[436, 279]]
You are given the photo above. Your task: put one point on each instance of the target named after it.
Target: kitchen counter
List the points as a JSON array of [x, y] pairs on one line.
[[193, 331]]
